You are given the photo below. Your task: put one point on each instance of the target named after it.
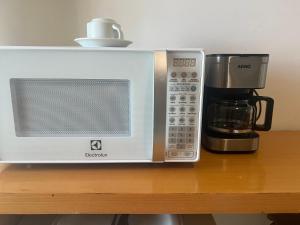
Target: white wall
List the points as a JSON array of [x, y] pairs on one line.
[[257, 26], [38, 22]]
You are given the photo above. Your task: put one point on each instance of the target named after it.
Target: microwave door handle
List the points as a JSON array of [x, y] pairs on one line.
[[160, 95]]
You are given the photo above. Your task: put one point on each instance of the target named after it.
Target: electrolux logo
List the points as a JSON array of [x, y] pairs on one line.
[[244, 66], [95, 155], [96, 145]]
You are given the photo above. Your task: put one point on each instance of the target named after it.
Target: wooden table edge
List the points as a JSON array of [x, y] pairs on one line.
[[183, 203]]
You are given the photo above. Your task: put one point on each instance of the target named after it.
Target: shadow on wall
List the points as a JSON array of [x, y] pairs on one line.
[[282, 83], [38, 22]]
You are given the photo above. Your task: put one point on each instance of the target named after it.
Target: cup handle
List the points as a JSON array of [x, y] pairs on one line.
[[117, 28]]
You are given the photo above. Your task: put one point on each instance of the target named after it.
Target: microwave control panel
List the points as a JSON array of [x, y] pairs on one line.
[[184, 94]]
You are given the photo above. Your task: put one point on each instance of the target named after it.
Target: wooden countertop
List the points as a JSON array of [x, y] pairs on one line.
[[267, 181]]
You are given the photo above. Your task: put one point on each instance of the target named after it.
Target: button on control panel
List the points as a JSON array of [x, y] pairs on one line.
[[183, 99]]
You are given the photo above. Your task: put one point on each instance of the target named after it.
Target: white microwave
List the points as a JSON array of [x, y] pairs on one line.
[[97, 105]]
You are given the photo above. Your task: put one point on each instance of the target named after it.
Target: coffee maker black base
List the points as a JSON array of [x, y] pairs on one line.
[[234, 143]]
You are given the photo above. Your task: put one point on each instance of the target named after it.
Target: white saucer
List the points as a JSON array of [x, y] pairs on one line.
[[102, 42]]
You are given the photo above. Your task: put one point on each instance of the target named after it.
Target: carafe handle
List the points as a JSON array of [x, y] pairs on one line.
[[268, 113]]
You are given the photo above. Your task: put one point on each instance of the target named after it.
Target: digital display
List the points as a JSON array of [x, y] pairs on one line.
[[184, 62]]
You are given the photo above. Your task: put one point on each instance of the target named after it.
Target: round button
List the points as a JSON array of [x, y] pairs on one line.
[[192, 120], [183, 74], [182, 109], [194, 74], [193, 98], [174, 154], [181, 120], [172, 97], [193, 88], [172, 120], [182, 98], [173, 74], [172, 109], [192, 109]]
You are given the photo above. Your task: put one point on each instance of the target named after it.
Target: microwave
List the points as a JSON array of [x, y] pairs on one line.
[[100, 105]]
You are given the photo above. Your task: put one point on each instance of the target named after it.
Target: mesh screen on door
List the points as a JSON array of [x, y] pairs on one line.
[[71, 107]]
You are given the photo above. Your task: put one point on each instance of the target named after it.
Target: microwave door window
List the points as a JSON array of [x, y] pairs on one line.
[[71, 107]]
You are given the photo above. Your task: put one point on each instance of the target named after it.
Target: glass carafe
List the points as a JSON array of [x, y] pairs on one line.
[[238, 116]]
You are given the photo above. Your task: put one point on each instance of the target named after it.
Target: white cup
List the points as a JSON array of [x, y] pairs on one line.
[[104, 28]]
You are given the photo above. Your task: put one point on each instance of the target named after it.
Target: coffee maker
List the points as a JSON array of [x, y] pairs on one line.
[[232, 106]]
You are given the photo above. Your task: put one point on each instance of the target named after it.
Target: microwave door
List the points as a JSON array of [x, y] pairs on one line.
[[63, 105]]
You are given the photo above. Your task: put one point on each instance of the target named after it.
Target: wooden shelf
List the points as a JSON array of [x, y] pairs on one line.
[[267, 181]]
